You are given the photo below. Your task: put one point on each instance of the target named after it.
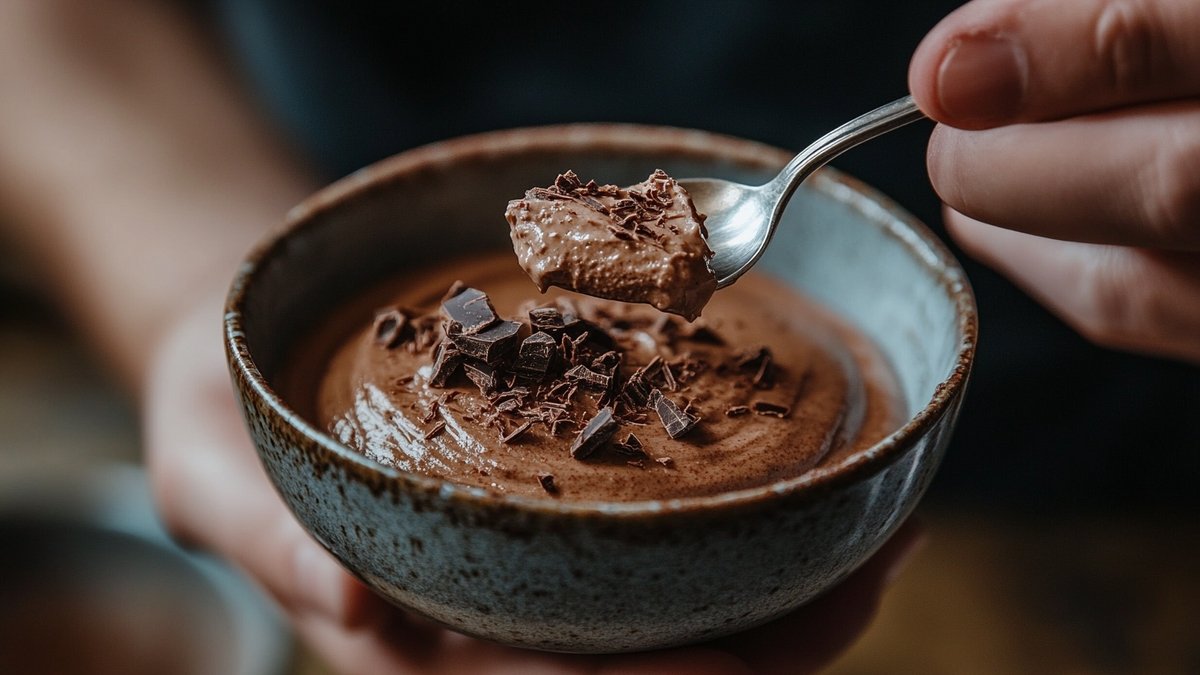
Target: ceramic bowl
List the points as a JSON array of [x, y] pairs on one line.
[[597, 577]]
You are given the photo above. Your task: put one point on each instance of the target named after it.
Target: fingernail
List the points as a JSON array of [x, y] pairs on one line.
[[982, 79], [321, 582]]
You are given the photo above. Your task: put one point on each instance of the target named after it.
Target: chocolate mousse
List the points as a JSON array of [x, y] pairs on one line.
[[484, 383], [644, 243]]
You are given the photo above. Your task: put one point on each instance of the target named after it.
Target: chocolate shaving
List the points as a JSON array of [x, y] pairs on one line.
[[737, 411], [636, 390], [391, 328], [431, 414], [558, 389], [490, 345], [483, 375], [445, 361], [764, 377], [510, 436], [630, 447], [546, 480], [567, 181], [607, 362], [666, 461], [636, 463], [669, 377], [597, 431], [675, 421], [469, 312], [558, 422], [770, 409], [567, 349], [435, 430], [589, 377]]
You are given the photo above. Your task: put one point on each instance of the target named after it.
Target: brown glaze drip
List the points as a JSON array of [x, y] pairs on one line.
[[644, 243], [825, 394]]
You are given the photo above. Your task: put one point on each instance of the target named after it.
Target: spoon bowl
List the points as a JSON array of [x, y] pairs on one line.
[[741, 219]]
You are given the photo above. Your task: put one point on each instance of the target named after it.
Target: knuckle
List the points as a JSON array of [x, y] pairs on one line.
[[1171, 189], [1127, 45]]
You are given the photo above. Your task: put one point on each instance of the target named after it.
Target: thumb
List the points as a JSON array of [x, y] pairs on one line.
[[213, 493]]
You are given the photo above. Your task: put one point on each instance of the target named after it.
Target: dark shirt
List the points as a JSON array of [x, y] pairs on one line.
[[1050, 421]]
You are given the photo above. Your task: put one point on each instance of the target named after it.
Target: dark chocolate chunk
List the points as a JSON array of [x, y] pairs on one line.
[[674, 420], [391, 328], [546, 480], [470, 312], [597, 431], [545, 319], [737, 411], [589, 377], [490, 345], [510, 436], [483, 375], [445, 362], [536, 354], [630, 447], [770, 409]]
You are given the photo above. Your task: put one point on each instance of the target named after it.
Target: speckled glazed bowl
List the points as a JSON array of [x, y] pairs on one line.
[[597, 577]]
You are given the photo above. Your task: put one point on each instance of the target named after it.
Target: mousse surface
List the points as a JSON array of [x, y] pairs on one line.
[[644, 243], [541, 399]]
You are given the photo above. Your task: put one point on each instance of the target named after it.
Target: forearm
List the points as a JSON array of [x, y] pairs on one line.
[[130, 165]]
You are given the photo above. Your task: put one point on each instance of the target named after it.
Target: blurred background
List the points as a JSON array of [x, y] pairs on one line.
[[1063, 526]]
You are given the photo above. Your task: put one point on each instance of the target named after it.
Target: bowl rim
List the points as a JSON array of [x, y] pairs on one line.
[[880, 210]]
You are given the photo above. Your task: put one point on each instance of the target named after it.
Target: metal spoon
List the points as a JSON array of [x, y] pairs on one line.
[[741, 219]]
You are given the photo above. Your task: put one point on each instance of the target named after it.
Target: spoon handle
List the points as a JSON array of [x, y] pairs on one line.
[[863, 128]]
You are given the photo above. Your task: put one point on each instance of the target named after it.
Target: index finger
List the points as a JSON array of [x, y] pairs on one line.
[[997, 62]]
